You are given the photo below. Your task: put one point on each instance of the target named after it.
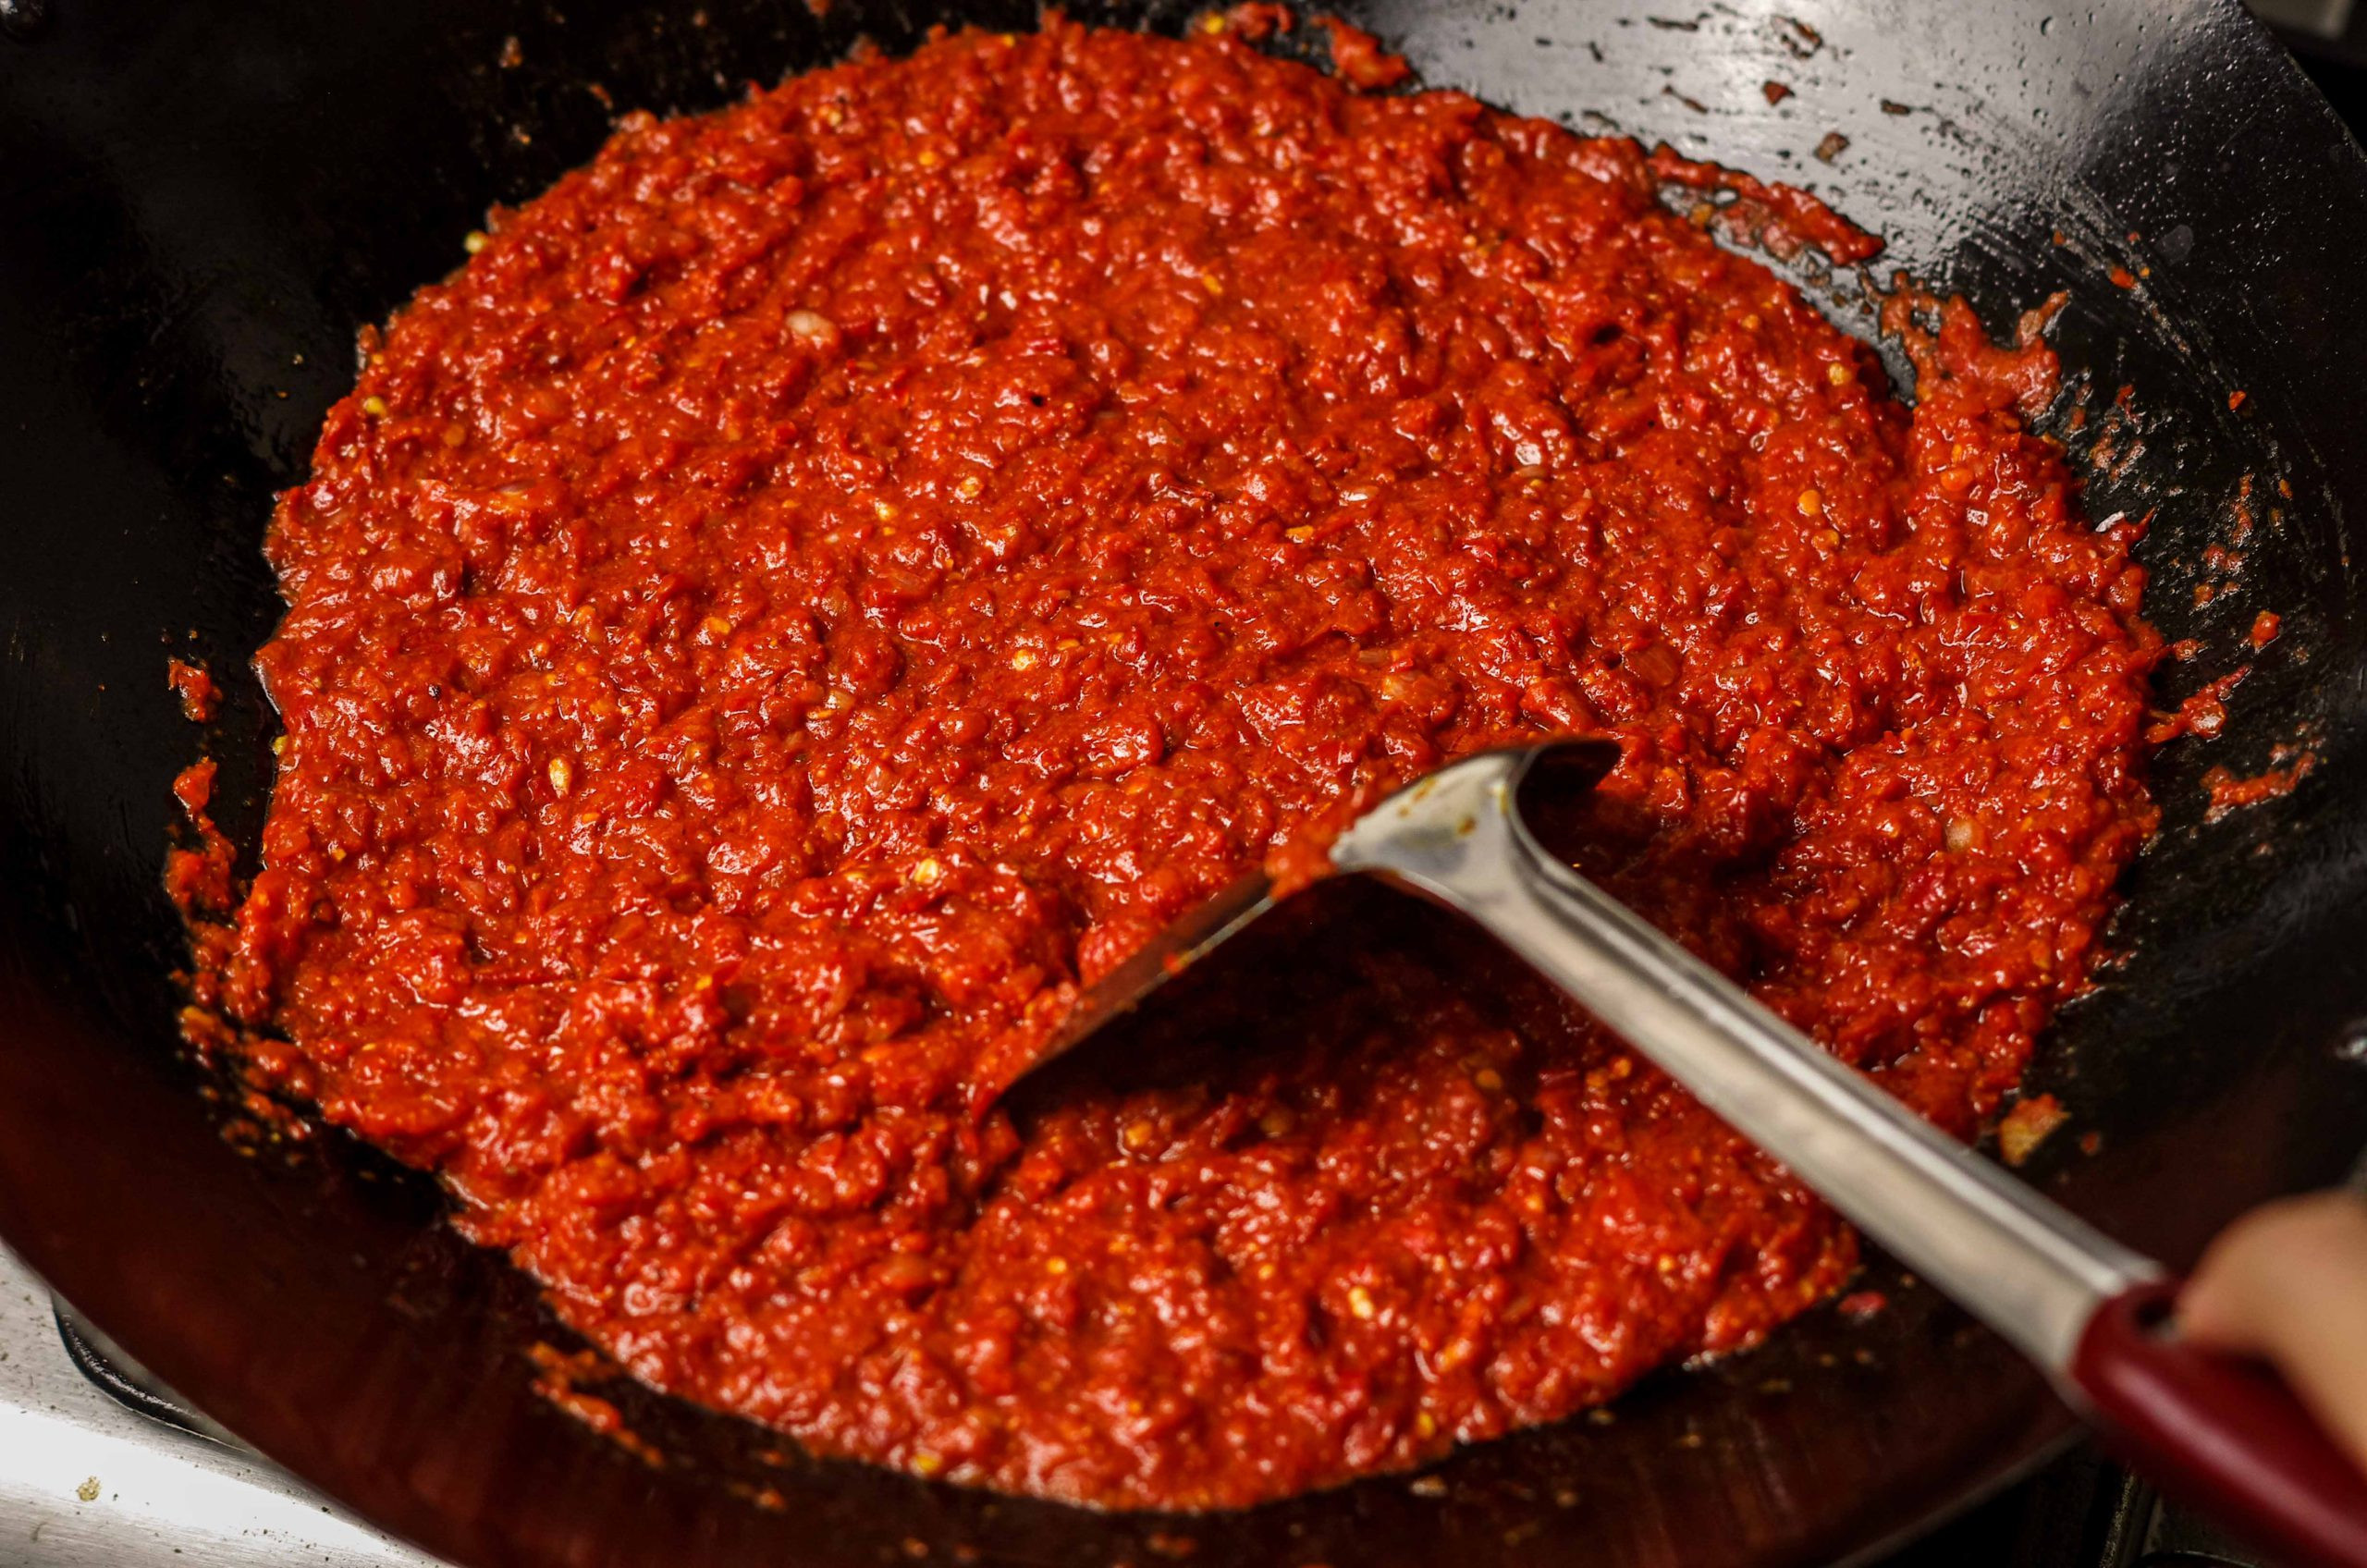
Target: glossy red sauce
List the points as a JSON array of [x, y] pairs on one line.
[[837, 571]]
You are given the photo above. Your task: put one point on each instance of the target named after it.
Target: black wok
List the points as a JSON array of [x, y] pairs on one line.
[[201, 201]]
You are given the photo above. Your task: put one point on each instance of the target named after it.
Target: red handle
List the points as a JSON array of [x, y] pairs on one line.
[[2227, 1433]]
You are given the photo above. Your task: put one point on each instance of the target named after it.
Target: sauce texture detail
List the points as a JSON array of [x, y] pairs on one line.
[[827, 578]]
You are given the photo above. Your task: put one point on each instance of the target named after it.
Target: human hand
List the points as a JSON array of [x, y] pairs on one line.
[[2287, 1284]]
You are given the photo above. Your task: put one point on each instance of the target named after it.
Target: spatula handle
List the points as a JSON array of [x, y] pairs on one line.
[[2029, 1268], [2223, 1431]]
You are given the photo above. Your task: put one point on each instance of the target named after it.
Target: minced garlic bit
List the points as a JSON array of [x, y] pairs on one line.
[[2028, 1125], [374, 406], [563, 773]]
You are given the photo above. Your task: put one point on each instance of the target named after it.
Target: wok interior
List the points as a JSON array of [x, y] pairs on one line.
[[213, 198]]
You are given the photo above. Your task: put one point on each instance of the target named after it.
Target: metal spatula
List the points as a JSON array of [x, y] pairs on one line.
[[2090, 1312]]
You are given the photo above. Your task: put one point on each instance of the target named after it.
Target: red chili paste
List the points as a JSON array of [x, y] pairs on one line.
[[195, 687], [2231, 791], [833, 574]]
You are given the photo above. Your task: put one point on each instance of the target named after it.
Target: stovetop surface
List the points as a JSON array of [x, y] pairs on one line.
[[87, 1482]]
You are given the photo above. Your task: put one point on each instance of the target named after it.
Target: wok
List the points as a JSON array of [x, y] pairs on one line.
[[201, 201]]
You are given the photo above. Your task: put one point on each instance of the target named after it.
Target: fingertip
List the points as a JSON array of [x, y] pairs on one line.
[[2250, 1273]]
